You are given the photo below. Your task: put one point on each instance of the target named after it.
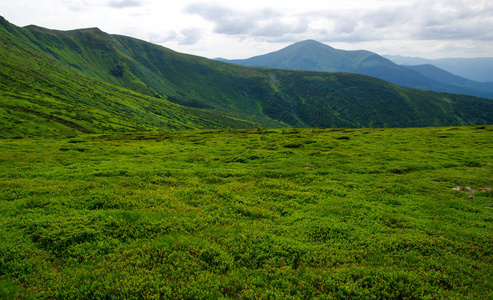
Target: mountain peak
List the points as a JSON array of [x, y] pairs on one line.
[[310, 43], [38, 28], [304, 55], [93, 30], [4, 22]]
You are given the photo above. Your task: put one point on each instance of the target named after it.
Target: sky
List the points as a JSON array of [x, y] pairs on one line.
[[241, 29]]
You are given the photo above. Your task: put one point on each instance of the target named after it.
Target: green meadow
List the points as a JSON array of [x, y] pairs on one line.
[[249, 214]]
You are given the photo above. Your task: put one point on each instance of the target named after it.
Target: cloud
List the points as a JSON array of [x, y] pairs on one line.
[[434, 20], [454, 20], [417, 20], [277, 27], [75, 5], [159, 38], [387, 17], [259, 23], [125, 3], [190, 36]]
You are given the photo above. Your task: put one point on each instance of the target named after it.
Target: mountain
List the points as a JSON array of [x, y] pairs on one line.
[[477, 69], [311, 55], [56, 83], [435, 73]]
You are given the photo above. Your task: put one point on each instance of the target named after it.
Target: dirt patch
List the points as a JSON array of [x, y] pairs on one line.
[[466, 189], [469, 189]]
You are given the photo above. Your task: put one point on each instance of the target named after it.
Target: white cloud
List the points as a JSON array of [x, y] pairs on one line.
[[235, 22], [75, 5], [125, 3], [159, 38], [242, 29], [190, 36]]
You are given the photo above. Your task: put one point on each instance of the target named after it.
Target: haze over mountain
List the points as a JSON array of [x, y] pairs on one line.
[[435, 73], [311, 55], [63, 82], [478, 69]]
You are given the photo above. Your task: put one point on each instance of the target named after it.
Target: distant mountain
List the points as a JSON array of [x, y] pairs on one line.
[[86, 81], [311, 55], [478, 69], [435, 73]]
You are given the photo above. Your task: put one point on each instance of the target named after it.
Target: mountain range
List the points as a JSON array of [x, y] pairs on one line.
[[470, 87], [477, 69], [56, 83], [311, 55]]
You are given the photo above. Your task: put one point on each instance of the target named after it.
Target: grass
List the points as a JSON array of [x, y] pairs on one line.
[[257, 213]]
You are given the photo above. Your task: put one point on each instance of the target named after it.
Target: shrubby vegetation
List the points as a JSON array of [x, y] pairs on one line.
[[258, 213]]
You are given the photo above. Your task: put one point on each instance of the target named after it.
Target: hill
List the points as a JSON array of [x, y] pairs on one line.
[[478, 69], [311, 55], [66, 82], [41, 95], [435, 73]]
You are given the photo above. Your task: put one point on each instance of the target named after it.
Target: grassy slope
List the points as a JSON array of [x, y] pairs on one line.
[[39, 96], [213, 94], [284, 214]]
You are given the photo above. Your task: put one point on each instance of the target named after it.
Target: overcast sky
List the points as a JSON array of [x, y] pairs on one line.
[[234, 29]]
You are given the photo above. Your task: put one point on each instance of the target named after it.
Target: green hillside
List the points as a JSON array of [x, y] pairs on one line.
[[65, 82], [42, 96]]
